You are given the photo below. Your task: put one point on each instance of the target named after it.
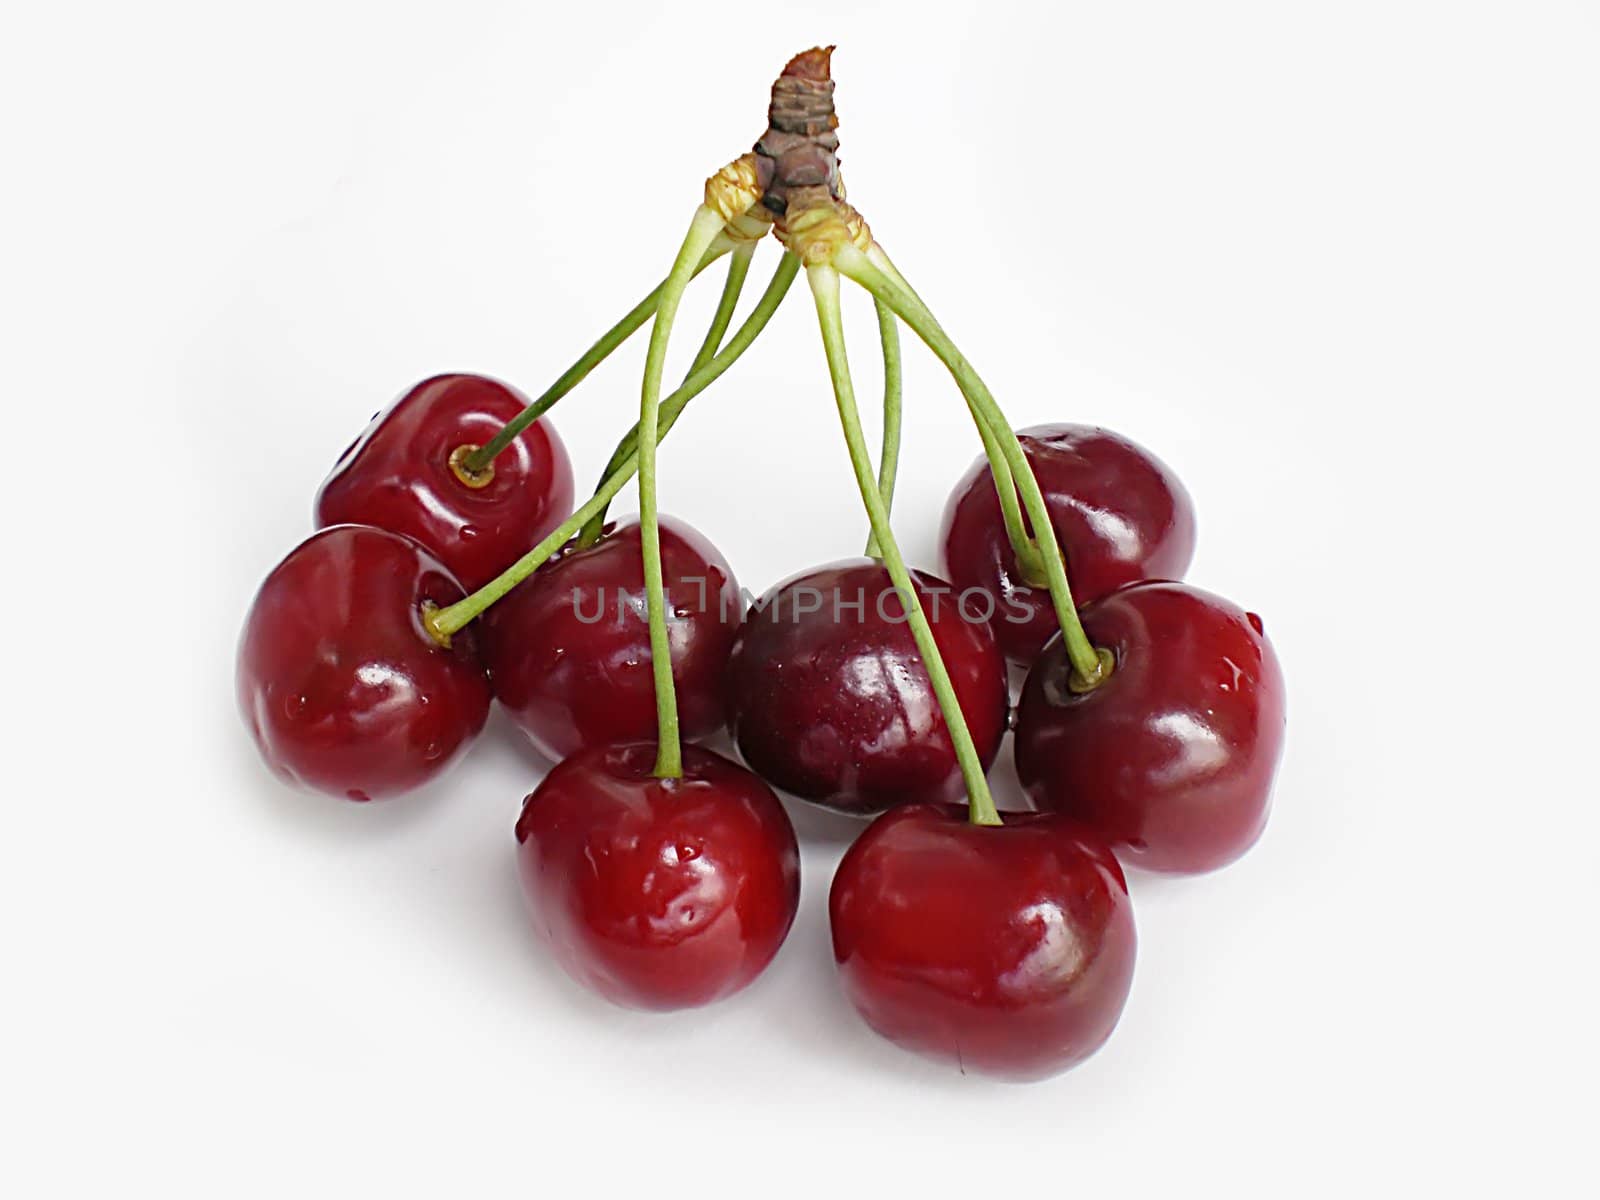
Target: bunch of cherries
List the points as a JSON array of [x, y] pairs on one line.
[[449, 569]]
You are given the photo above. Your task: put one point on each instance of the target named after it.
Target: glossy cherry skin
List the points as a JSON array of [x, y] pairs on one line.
[[1007, 950], [1119, 513], [568, 649], [1172, 758], [397, 476], [829, 700], [342, 688], [658, 894]]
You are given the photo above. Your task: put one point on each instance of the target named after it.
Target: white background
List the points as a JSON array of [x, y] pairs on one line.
[[1336, 263]]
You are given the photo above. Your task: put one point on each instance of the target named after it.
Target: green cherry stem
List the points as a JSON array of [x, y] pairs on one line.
[[825, 289], [1090, 665], [889, 458], [443, 622], [707, 224], [738, 268], [1030, 562], [477, 461]]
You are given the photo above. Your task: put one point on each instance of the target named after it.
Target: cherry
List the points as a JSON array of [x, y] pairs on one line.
[[568, 649], [405, 474], [343, 689], [658, 893], [1120, 514], [829, 700], [1007, 950], [1172, 758]]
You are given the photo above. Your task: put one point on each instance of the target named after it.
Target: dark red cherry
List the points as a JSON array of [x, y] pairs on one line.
[[1172, 758], [398, 476], [569, 648], [1007, 950], [1119, 513], [343, 689], [658, 894], [829, 700]]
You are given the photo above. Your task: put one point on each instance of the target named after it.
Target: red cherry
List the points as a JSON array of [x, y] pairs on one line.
[[1007, 950], [829, 700], [343, 689], [658, 894], [398, 476], [569, 648], [1172, 758], [1119, 512]]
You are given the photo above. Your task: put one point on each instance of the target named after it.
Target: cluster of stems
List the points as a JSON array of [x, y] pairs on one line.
[[1022, 503]]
